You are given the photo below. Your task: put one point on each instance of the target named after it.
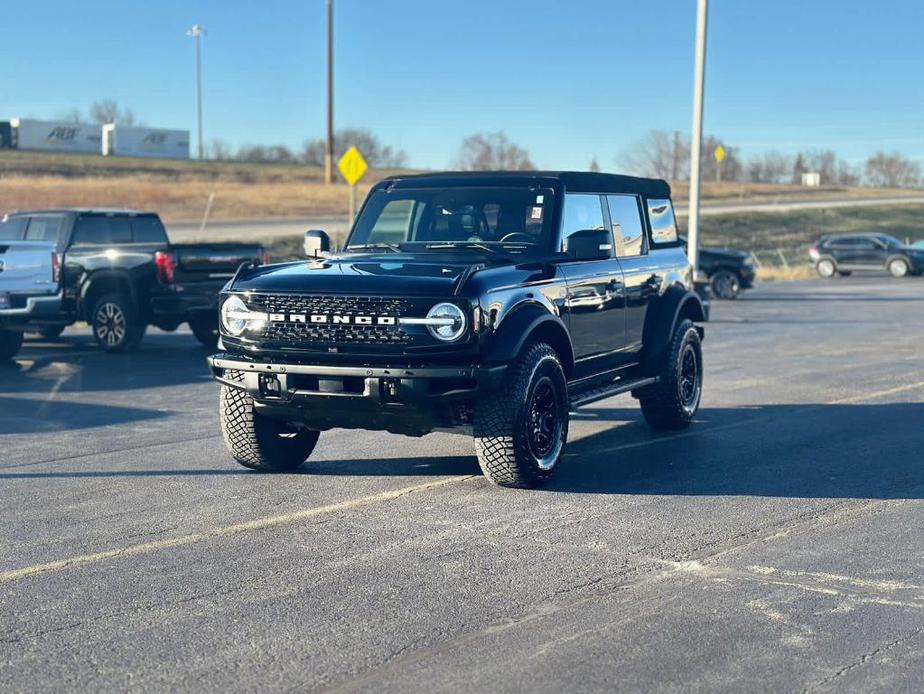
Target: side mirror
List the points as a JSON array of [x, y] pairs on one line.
[[589, 244], [317, 243]]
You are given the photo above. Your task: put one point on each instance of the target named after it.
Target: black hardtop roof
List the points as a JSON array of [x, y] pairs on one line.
[[574, 181], [83, 210]]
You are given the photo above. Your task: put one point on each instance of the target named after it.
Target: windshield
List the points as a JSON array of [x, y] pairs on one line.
[[503, 220]]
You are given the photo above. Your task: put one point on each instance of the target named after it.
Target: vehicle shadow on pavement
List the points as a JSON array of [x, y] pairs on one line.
[[394, 467], [869, 451], [30, 416], [120, 473]]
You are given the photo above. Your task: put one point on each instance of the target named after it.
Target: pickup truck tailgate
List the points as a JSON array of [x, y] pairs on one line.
[[27, 267], [212, 261]]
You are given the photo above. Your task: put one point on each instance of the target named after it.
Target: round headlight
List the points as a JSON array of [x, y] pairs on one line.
[[233, 313], [448, 322]]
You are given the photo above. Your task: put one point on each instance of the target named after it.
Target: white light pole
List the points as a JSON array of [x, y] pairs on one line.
[[696, 140], [197, 33]]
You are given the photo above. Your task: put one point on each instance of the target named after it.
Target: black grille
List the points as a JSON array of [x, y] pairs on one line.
[[330, 333]]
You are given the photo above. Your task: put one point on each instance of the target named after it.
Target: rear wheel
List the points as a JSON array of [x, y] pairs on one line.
[[898, 267], [521, 429], [726, 284], [673, 401], [115, 323], [257, 442], [205, 328], [10, 344], [826, 268]]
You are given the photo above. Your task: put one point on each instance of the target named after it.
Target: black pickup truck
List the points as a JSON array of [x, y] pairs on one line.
[[119, 272], [490, 303]]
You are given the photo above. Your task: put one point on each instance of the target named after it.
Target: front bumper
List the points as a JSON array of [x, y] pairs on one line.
[[405, 400], [747, 274]]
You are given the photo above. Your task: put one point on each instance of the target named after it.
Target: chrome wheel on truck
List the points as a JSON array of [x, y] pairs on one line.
[[115, 325]]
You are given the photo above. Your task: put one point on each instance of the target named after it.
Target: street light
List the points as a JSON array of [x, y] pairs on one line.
[[696, 140], [197, 32], [329, 145]]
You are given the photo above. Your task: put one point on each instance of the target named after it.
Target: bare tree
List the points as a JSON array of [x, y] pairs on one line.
[[770, 167], [219, 150], [109, 111], [594, 166], [659, 155], [892, 171], [266, 154], [377, 155], [492, 152], [72, 115]]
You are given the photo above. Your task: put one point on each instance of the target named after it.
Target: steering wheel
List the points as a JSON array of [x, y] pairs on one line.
[[526, 238]]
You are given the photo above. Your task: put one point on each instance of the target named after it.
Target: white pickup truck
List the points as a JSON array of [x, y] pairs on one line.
[[29, 275]]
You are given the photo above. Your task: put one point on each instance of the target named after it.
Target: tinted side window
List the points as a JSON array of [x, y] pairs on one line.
[[13, 228], [663, 224], [582, 211], [45, 228], [148, 230], [627, 225]]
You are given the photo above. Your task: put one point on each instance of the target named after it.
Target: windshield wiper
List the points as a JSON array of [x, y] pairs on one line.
[[376, 246], [468, 244]]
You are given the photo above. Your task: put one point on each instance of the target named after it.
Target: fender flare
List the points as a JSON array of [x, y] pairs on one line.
[[521, 326], [95, 278], [675, 305]]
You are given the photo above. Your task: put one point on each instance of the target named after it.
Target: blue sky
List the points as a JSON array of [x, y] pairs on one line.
[[566, 80]]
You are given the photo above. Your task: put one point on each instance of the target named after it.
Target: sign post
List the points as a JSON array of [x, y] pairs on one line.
[[353, 167], [719, 155]]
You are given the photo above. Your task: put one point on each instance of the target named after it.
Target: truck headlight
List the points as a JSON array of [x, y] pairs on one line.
[[446, 322], [236, 317]]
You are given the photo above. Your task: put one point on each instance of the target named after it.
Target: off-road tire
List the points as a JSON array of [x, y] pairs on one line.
[[10, 344], [257, 442], [666, 405], [205, 328], [116, 324], [725, 285], [826, 268], [509, 453]]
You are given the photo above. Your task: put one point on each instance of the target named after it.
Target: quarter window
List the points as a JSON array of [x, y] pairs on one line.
[[627, 225], [148, 229], [663, 224], [581, 212]]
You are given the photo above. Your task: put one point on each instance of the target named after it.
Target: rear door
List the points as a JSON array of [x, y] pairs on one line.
[[595, 302], [26, 267]]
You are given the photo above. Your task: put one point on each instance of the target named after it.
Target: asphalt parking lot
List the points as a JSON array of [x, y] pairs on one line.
[[777, 545]]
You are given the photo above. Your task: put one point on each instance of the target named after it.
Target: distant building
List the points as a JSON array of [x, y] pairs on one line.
[[811, 179]]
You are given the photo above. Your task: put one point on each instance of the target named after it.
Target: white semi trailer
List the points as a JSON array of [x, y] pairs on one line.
[[56, 136], [145, 142]]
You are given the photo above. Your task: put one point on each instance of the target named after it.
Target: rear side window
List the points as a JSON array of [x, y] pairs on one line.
[[13, 228], [97, 231], [627, 225], [148, 229], [45, 228], [663, 224], [582, 212]]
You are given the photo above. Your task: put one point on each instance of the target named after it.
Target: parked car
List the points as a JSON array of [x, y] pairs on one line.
[[28, 289], [483, 302], [120, 273], [841, 254]]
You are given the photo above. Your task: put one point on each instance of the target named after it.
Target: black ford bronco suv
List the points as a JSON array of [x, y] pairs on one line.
[[492, 303]]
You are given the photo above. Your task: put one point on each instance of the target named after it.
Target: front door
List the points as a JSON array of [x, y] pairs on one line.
[[595, 302]]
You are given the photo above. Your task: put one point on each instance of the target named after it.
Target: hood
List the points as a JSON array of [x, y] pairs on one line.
[[392, 274]]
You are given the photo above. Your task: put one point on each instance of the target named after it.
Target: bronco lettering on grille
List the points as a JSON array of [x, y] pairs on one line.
[[324, 318]]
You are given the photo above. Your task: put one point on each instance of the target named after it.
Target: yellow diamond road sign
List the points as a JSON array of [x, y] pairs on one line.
[[719, 153], [352, 166]]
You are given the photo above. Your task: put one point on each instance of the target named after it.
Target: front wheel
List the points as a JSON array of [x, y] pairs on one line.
[[115, 323], [258, 442], [673, 401], [521, 429], [898, 267], [10, 344], [726, 285], [826, 268]]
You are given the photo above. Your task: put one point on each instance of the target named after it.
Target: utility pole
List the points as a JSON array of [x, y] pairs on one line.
[[329, 149], [696, 140], [197, 32]]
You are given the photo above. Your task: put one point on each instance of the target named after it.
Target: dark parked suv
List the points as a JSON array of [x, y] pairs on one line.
[[486, 303], [841, 254]]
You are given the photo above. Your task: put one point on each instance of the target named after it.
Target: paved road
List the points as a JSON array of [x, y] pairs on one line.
[[775, 546], [337, 224]]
